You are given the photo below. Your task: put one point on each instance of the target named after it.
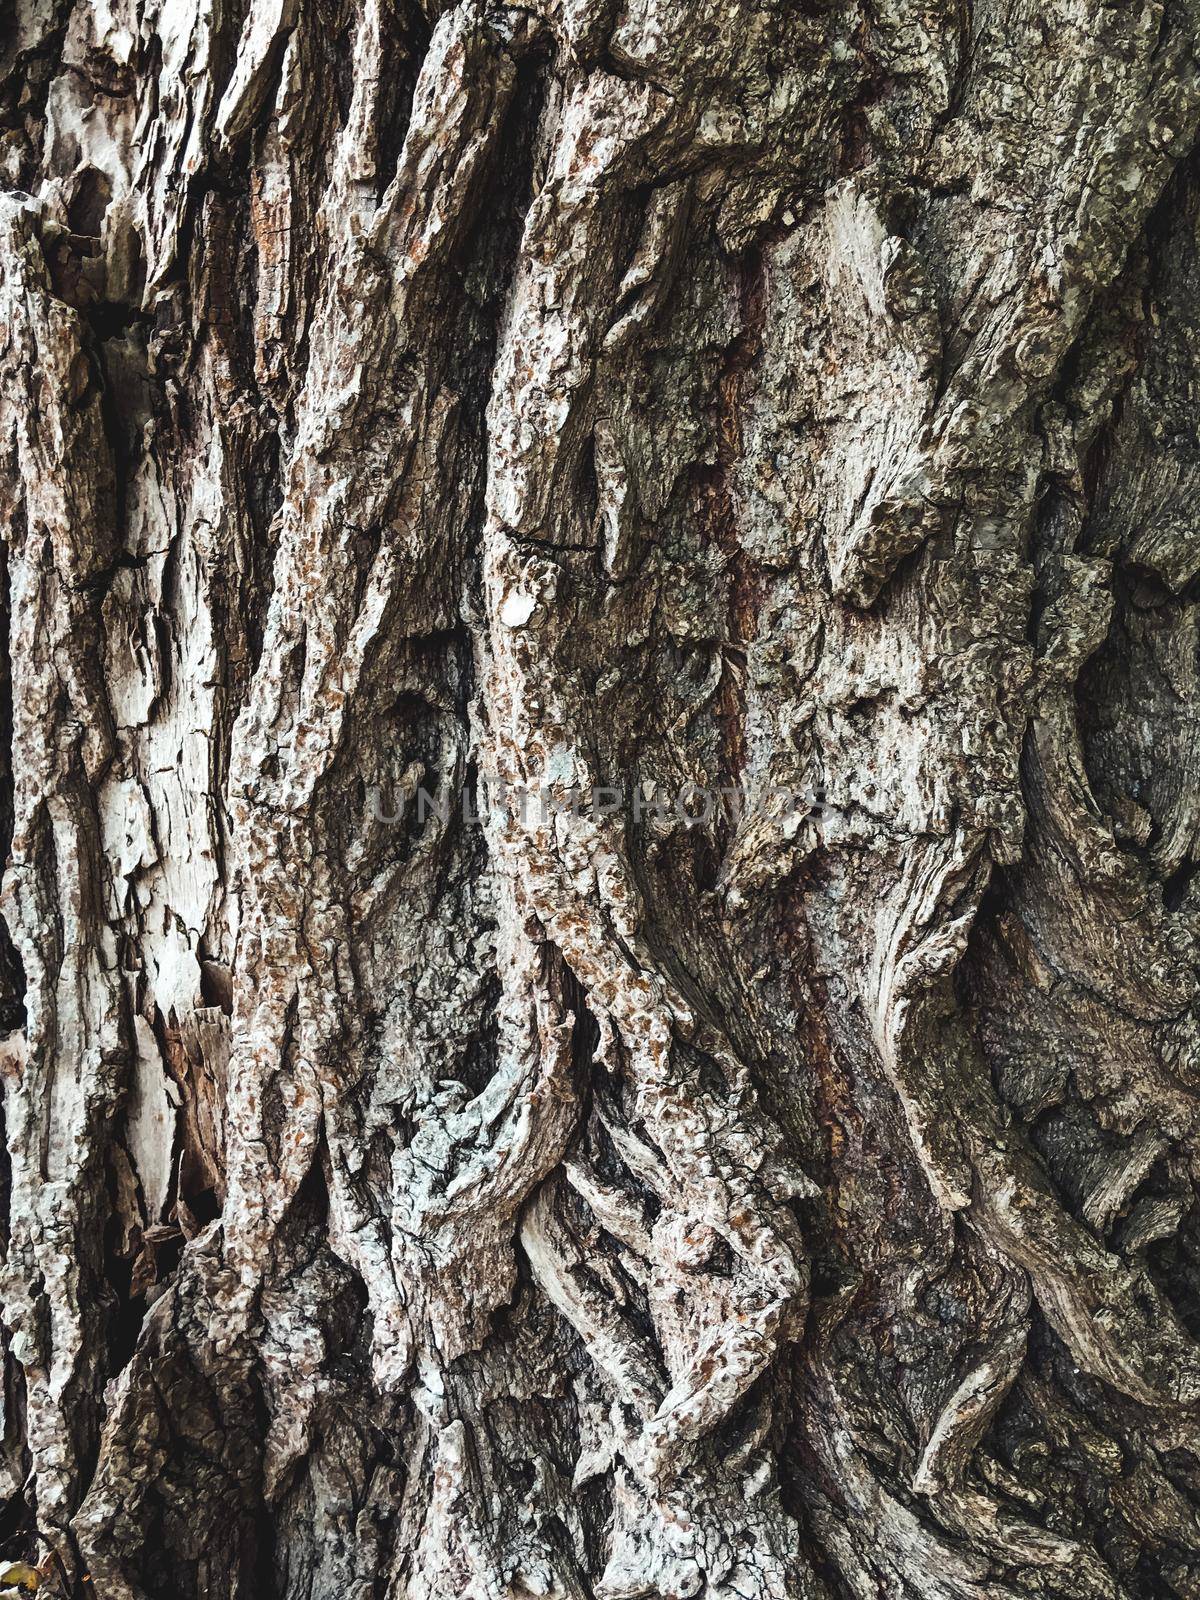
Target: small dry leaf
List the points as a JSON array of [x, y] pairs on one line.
[[20, 1576]]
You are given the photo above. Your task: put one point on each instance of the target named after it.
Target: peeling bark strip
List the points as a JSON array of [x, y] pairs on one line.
[[411, 1202]]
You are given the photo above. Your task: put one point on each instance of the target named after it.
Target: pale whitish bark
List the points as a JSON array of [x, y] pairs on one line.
[[662, 394]]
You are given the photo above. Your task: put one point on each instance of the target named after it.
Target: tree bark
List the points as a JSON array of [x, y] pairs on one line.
[[687, 1193]]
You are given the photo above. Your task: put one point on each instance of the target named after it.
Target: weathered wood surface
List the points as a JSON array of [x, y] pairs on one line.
[[505, 1203]]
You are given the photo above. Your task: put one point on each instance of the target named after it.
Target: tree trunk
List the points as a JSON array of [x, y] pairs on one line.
[[600, 986]]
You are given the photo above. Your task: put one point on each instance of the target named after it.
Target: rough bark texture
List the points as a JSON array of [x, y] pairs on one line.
[[639, 392]]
